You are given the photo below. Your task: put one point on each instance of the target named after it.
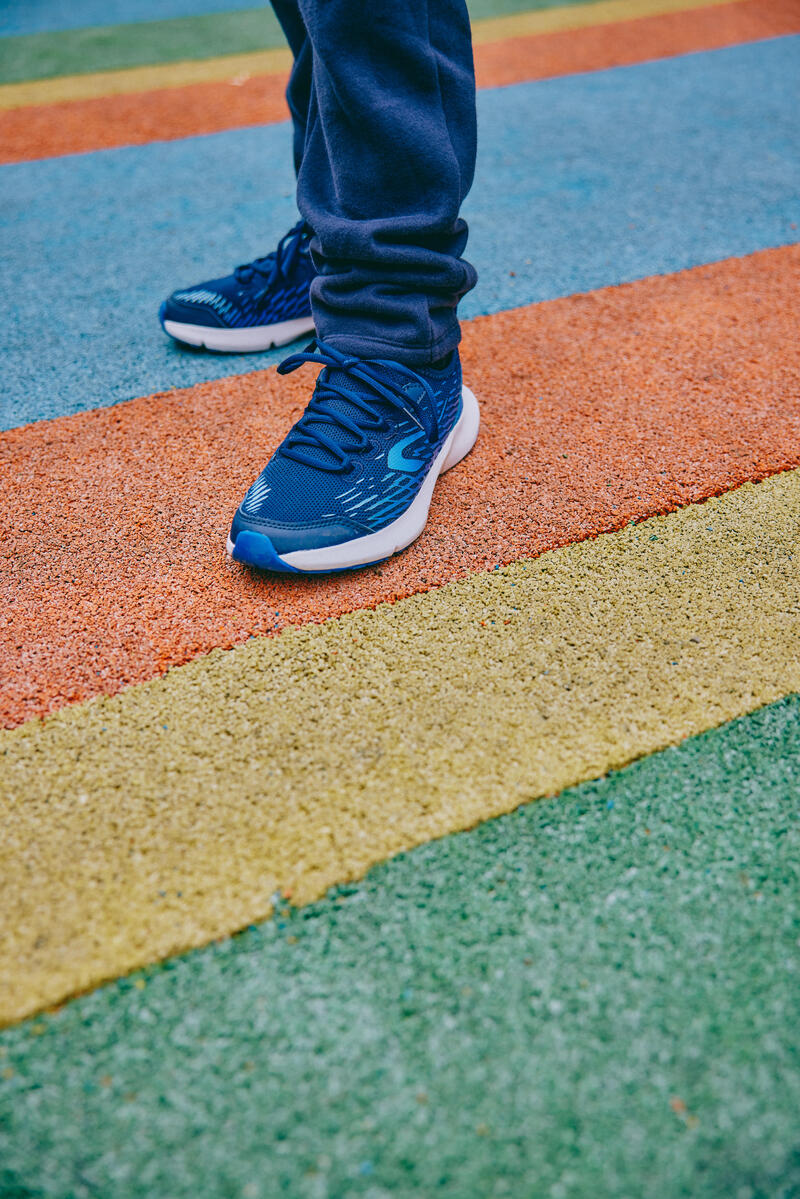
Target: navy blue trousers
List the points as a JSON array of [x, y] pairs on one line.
[[382, 96]]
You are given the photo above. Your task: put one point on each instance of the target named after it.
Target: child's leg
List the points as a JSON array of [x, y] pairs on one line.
[[388, 155]]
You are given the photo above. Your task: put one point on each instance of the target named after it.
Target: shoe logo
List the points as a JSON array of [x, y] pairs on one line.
[[396, 460], [256, 495]]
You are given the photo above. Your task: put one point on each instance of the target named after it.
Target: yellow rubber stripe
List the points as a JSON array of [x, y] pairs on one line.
[[144, 79], [140, 825], [579, 16], [265, 62]]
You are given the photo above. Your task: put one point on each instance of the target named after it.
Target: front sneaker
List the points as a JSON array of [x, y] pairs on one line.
[[263, 303], [352, 482]]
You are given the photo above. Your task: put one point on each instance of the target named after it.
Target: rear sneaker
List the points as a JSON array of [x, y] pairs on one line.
[[262, 304], [352, 482]]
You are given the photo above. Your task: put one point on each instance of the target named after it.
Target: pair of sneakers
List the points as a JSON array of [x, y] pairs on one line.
[[351, 483]]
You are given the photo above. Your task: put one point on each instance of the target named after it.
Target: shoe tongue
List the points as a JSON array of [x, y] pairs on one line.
[[336, 377]]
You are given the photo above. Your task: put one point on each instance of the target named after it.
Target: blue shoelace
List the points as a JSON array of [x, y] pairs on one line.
[[367, 415], [279, 263]]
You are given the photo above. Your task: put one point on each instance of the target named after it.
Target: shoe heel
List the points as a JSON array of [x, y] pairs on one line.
[[466, 431]]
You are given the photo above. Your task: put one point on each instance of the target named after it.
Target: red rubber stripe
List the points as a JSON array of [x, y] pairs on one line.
[[597, 409]]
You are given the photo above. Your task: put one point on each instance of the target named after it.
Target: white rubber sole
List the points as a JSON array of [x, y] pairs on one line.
[[374, 547], [240, 341]]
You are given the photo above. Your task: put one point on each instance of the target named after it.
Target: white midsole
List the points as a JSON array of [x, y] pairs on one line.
[[241, 341], [401, 532]]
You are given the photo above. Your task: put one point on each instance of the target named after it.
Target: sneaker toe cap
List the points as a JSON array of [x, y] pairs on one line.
[[189, 312], [285, 538]]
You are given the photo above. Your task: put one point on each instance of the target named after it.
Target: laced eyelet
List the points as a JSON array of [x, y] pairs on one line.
[[365, 419]]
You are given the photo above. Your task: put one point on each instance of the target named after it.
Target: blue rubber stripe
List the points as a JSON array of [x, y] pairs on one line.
[[582, 181], [50, 16]]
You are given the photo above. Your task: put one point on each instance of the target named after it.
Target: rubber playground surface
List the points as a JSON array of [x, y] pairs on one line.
[[476, 873]]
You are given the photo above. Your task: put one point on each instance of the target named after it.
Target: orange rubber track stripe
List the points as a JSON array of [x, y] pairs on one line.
[[598, 409], [599, 47], [69, 127]]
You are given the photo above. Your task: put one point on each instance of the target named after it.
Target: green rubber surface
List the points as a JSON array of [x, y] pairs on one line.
[[114, 47], [596, 996], [145, 43]]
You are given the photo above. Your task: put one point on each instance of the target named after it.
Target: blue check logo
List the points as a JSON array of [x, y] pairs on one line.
[[396, 459]]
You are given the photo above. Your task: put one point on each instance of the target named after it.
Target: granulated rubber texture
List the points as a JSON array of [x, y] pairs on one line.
[[597, 410], [76, 126], [677, 185], [136, 826], [593, 997]]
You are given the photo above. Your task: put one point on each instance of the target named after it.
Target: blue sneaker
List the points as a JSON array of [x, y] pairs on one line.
[[352, 482], [263, 303]]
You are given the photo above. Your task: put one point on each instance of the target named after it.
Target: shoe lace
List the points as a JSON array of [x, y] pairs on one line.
[[280, 262], [320, 422]]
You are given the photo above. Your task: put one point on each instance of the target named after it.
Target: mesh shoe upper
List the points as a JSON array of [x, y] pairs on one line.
[[357, 457], [263, 292]]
